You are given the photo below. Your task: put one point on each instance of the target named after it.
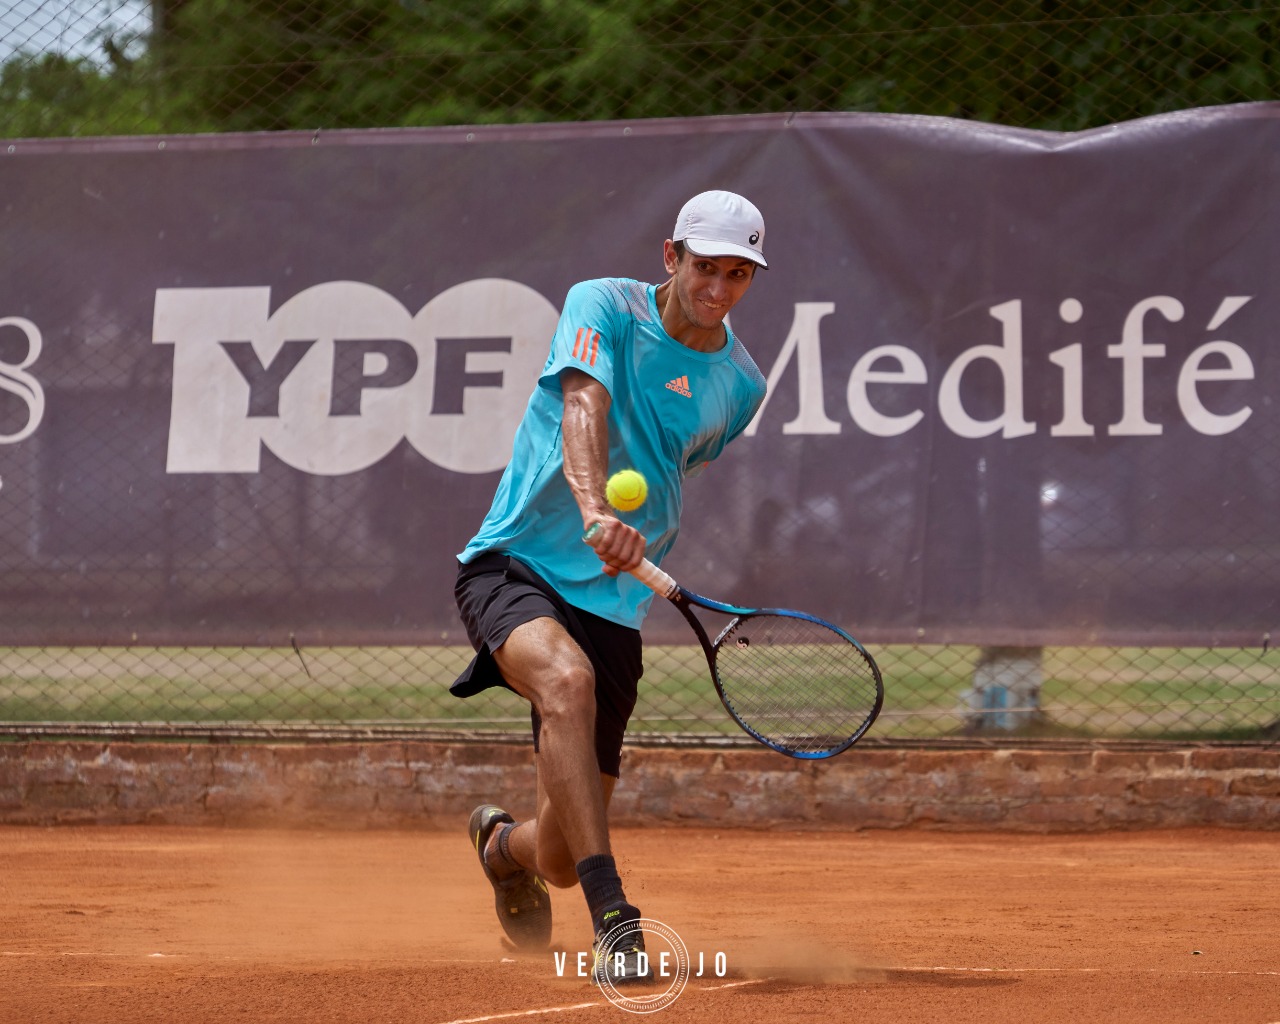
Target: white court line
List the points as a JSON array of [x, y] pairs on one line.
[[733, 984], [75, 953], [523, 1013], [1091, 970], [1012, 970], [584, 1006]]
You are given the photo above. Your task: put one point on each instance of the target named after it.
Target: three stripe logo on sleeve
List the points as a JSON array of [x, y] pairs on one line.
[[680, 385], [586, 346]]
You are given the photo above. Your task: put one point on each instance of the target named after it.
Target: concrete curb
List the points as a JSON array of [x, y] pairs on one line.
[[435, 785]]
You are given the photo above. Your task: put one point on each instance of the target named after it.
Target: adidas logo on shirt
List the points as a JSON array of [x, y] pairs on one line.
[[680, 385]]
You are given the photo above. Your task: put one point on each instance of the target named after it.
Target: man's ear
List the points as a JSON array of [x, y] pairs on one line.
[[669, 258]]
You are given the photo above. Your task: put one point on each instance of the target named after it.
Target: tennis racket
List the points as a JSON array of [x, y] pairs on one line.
[[795, 683]]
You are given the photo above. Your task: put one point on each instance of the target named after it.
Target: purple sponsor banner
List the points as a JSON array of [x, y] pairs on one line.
[[1022, 384]]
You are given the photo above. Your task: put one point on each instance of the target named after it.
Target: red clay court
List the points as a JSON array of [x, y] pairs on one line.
[[164, 924]]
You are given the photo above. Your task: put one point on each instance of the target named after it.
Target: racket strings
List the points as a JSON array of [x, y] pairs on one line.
[[799, 684]]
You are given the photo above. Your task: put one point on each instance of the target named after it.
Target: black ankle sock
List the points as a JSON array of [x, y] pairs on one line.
[[600, 883], [502, 863]]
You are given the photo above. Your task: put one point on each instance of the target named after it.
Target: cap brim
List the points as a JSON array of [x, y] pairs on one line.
[[706, 247]]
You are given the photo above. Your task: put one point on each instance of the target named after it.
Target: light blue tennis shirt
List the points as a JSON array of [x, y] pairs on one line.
[[672, 410]]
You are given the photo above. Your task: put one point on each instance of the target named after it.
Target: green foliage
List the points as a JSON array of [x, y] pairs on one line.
[[55, 96], [252, 65]]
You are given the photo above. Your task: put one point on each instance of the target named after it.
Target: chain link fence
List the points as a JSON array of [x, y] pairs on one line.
[[93, 67], [84, 68]]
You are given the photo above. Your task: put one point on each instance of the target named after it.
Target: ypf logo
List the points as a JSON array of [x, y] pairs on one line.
[[339, 374]]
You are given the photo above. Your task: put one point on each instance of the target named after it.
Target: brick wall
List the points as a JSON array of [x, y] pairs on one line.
[[435, 785]]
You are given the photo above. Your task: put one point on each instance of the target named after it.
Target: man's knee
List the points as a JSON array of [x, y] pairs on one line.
[[567, 694]]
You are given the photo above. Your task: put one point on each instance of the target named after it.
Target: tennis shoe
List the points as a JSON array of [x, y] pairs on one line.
[[521, 898], [618, 955]]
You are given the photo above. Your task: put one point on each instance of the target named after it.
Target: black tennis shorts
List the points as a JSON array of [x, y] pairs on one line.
[[496, 593]]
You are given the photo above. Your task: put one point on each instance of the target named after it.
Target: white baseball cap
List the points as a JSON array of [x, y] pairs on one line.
[[721, 224]]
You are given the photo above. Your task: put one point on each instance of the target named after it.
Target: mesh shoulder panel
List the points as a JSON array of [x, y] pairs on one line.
[[747, 365], [631, 297]]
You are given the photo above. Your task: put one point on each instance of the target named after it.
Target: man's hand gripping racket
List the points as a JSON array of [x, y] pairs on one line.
[[797, 684]]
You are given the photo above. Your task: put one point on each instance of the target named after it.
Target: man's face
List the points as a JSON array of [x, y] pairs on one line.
[[707, 287]]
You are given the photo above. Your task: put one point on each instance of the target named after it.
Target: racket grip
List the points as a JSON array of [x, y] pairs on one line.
[[655, 579], [646, 572]]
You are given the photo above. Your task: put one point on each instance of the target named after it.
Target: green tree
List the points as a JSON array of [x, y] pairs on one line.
[[253, 65]]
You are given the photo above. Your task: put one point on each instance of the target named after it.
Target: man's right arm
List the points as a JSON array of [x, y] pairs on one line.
[[585, 434]]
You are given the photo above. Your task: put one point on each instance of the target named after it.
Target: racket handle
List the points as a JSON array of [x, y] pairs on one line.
[[646, 572], [655, 579]]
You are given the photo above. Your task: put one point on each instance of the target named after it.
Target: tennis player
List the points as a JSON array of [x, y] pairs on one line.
[[640, 376]]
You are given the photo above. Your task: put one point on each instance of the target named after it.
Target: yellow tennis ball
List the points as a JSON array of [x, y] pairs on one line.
[[626, 490]]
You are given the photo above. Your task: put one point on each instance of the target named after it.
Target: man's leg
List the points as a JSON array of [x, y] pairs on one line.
[[543, 663], [540, 660], [539, 844], [570, 838]]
